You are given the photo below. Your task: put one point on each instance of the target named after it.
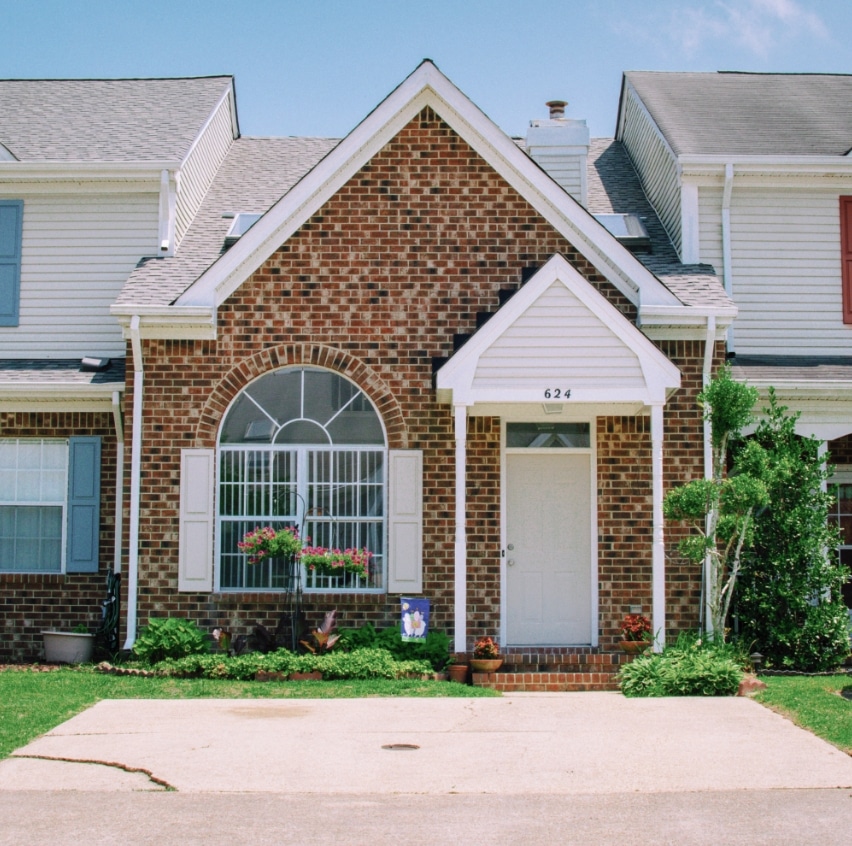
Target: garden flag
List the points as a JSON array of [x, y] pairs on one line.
[[415, 618]]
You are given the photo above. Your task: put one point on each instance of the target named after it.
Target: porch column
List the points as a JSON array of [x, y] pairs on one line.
[[658, 580], [460, 568]]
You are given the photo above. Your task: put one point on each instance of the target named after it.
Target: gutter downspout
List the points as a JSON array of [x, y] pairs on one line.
[[706, 373], [727, 271], [135, 483], [460, 556], [119, 479], [658, 560]]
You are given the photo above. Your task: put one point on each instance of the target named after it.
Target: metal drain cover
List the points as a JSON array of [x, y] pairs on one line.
[[400, 747]]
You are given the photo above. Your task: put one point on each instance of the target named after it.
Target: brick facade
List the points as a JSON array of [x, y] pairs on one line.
[[30, 603], [374, 286]]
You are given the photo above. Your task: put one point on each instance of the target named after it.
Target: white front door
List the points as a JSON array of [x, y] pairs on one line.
[[548, 549]]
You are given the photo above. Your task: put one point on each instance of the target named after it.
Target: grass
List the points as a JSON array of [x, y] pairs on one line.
[[814, 703], [32, 703]]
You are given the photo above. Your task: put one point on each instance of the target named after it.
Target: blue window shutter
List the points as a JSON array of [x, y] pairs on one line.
[[84, 505], [11, 231]]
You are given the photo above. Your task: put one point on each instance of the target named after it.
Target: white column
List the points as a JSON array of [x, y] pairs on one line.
[[658, 587], [460, 426]]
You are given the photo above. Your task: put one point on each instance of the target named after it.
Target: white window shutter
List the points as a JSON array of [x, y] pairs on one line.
[[405, 521], [195, 556]]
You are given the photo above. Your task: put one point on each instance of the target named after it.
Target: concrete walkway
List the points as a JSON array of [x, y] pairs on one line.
[[725, 762]]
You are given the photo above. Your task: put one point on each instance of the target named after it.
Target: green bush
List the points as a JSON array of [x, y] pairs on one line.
[[361, 664], [169, 637], [434, 648], [691, 667]]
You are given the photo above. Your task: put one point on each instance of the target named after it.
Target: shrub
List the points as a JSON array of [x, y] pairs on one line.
[[434, 648], [169, 637], [691, 667], [361, 664]]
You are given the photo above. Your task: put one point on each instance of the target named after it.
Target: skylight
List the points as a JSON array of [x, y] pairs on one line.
[[628, 229], [242, 223]]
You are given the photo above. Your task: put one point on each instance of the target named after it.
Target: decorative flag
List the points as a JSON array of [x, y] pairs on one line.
[[415, 618]]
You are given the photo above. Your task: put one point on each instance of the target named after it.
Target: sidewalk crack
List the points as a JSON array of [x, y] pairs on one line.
[[116, 764]]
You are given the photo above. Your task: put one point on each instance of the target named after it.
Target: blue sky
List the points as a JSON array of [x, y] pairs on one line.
[[317, 67]]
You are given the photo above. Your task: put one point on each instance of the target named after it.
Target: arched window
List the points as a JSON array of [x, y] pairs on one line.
[[301, 447]]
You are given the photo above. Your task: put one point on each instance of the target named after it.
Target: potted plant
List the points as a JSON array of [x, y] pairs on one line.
[[635, 633], [486, 656], [74, 647], [335, 562], [457, 669]]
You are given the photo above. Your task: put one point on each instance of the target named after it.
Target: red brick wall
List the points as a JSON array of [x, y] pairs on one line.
[[374, 286], [30, 603]]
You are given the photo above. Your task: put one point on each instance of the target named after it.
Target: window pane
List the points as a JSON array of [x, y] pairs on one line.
[[30, 538], [548, 435]]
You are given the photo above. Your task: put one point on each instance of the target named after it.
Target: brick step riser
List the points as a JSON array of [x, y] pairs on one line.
[[508, 682]]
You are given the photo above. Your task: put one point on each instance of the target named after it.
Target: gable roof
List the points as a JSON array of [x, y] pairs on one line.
[[754, 114], [105, 120], [582, 343], [428, 87]]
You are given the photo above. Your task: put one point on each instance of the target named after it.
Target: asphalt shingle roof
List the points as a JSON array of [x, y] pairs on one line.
[[614, 188], [750, 114], [30, 371], [254, 175], [105, 120]]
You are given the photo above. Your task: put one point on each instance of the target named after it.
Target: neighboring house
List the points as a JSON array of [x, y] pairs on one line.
[[417, 339], [752, 173], [94, 175]]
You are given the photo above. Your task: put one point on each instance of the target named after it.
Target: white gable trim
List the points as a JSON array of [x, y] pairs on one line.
[[456, 380], [427, 86]]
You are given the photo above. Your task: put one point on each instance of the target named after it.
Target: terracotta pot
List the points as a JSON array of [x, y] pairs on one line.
[[485, 665], [634, 647], [457, 673]]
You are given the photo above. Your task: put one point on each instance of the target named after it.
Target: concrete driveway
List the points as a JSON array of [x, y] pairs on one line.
[[579, 767]]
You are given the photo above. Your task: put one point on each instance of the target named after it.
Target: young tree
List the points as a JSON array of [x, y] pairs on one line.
[[721, 509], [789, 602]]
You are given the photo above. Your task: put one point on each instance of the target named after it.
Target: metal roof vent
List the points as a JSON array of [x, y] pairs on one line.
[[628, 229], [242, 223]]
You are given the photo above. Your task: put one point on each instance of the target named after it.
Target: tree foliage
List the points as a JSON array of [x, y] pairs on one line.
[[721, 509], [789, 604]]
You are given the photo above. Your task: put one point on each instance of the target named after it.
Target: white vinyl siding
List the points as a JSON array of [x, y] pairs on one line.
[[77, 252], [567, 170], [785, 256], [561, 341], [201, 165], [655, 165]]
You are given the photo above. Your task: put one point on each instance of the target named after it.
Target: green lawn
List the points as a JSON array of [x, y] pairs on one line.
[[32, 703], [813, 702]]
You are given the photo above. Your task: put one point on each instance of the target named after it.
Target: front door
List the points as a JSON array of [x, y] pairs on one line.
[[548, 549]]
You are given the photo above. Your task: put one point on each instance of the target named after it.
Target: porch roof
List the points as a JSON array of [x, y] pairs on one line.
[[558, 340]]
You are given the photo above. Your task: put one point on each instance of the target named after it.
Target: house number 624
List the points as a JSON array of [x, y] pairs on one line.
[[556, 393]]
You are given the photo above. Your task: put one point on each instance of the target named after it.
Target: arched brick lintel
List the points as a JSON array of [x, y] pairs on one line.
[[288, 355]]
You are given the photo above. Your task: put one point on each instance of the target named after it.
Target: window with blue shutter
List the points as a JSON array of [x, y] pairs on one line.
[[11, 230], [84, 500]]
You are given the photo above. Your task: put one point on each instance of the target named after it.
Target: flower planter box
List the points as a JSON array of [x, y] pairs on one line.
[[68, 647]]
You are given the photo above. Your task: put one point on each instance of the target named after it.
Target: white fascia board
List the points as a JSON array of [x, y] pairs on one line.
[[85, 171], [427, 86], [185, 323], [686, 316], [58, 397], [457, 374], [697, 165]]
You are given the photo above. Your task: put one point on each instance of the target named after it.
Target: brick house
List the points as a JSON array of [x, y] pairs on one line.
[[476, 356]]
